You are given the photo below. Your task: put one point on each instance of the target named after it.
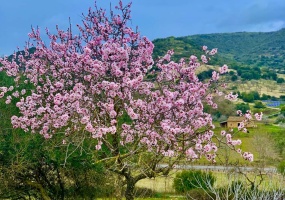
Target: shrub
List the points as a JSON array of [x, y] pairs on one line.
[[259, 104], [188, 180], [280, 80]]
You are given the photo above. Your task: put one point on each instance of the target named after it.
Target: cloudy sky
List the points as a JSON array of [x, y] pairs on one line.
[[155, 18]]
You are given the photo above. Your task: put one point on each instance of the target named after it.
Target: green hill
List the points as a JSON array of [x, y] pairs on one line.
[[247, 48]]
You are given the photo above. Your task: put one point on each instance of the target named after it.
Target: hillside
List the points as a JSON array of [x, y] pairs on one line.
[[248, 48]]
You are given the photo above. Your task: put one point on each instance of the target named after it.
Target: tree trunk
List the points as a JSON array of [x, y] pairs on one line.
[[130, 191]]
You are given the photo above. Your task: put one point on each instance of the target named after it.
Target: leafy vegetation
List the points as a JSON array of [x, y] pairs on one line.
[[191, 179]]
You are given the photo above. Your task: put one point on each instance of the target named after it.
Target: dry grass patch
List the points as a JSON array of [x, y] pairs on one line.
[[223, 179]]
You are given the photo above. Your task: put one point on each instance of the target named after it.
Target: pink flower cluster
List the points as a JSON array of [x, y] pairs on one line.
[[224, 69], [88, 83], [258, 116], [231, 96]]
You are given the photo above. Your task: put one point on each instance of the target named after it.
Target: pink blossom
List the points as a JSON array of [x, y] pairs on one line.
[[207, 148], [113, 114], [204, 59], [241, 125], [215, 76], [191, 154], [2, 94], [213, 51], [231, 96], [8, 101], [85, 119], [11, 88], [258, 117], [98, 147], [224, 69], [4, 89], [248, 156], [239, 112], [198, 146]]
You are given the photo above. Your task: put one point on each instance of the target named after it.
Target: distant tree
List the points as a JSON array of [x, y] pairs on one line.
[[205, 75], [247, 97], [256, 70], [255, 94], [247, 75], [282, 97], [280, 80], [272, 75], [243, 107], [239, 72], [259, 104], [234, 77], [265, 97], [273, 98]]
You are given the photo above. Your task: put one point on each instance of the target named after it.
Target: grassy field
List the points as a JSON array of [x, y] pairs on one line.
[[163, 185]]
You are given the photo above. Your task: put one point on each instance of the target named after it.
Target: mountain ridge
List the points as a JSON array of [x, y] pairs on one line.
[[247, 48]]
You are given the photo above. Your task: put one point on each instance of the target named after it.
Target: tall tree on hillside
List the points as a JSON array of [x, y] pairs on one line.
[[93, 86]]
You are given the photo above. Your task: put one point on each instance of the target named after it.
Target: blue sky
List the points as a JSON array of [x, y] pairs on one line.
[[155, 18]]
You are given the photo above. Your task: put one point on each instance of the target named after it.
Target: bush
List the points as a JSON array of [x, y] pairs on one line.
[[280, 80], [188, 180], [259, 104]]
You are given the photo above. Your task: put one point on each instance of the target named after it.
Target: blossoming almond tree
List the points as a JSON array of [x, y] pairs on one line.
[[93, 86]]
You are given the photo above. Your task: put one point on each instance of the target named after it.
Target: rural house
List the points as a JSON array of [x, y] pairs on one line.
[[234, 122]]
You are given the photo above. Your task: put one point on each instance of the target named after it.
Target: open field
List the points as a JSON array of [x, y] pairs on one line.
[[262, 86], [223, 179]]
